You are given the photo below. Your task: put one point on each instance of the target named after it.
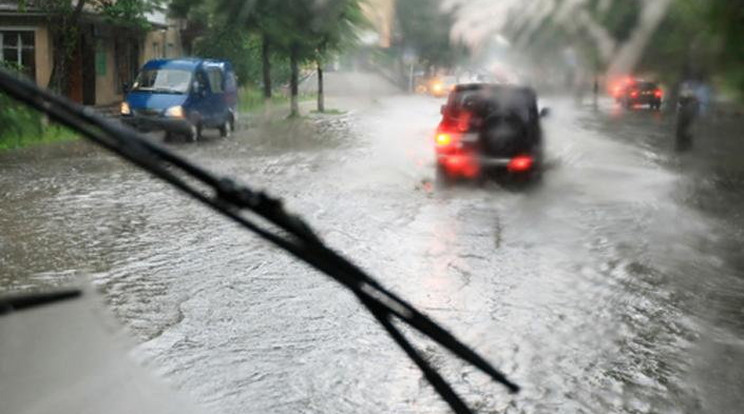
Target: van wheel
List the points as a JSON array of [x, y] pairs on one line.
[[226, 128], [194, 133]]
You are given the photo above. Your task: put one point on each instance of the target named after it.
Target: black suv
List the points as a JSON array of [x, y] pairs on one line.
[[489, 128]]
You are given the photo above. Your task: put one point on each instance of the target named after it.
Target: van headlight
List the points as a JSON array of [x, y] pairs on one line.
[[175, 112], [125, 110]]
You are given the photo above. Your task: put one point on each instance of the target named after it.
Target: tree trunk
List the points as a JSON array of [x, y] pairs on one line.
[[59, 80], [294, 80], [266, 65], [65, 38], [321, 98]]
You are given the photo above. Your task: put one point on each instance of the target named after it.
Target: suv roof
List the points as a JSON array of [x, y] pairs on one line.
[[493, 98]]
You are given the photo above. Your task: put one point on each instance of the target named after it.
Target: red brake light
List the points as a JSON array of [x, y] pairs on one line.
[[634, 94], [443, 139], [657, 93], [520, 163]]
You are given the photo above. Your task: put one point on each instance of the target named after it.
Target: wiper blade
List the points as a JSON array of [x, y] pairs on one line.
[[24, 301], [285, 230]]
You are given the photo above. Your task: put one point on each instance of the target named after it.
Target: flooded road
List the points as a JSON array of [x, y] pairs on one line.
[[608, 288]]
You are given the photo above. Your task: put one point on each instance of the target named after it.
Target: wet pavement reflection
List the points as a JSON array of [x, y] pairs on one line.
[[616, 285]]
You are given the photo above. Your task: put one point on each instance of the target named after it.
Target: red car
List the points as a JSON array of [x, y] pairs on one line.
[[639, 92]]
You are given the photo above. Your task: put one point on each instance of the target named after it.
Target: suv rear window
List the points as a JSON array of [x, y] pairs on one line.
[[488, 102]]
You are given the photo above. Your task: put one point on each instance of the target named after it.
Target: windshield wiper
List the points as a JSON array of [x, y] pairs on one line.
[[19, 302], [285, 230]]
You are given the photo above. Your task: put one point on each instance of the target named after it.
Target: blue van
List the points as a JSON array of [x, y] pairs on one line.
[[182, 97]]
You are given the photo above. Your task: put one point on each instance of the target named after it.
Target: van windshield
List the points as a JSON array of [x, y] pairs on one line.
[[163, 80]]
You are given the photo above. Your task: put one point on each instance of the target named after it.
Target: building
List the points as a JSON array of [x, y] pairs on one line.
[[381, 13], [107, 56]]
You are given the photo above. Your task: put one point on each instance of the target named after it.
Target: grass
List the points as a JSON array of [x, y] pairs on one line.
[[33, 136], [329, 112], [251, 99], [28, 132]]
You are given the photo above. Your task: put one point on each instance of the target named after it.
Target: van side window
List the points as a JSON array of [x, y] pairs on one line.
[[216, 82], [201, 79], [231, 83]]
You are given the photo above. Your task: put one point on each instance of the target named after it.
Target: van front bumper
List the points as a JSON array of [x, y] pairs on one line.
[[151, 123]]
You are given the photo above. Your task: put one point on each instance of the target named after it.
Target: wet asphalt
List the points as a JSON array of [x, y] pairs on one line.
[[615, 285]]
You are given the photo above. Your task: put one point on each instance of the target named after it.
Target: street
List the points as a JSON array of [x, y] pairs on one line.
[[616, 285]]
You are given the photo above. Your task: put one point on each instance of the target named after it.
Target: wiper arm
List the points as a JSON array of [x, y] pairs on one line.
[[285, 230]]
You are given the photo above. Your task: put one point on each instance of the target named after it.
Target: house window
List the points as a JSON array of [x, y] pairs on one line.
[[17, 48]]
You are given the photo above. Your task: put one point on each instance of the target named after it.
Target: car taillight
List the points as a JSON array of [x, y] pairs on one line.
[[520, 163], [657, 93], [634, 94], [443, 139]]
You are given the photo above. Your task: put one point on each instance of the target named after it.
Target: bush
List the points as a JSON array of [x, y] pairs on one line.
[[21, 126], [16, 118]]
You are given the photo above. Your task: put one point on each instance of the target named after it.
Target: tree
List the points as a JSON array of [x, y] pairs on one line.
[[336, 25], [261, 17], [297, 30], [64, 21], [423, 27], [726, 19]]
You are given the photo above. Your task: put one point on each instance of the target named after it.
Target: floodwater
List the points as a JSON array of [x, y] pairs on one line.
[[616, 285]]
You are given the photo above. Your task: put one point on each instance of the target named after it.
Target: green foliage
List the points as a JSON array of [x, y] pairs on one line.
[[16, 119], [620, 19], [127, 12], [243, 49], [726, 19], [252, 100], [422, 27], [28, 138]]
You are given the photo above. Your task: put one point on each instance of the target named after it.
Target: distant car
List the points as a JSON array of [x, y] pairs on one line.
[[440, 87], [489, 128], [641, 93], [620, 85], [182, 97]]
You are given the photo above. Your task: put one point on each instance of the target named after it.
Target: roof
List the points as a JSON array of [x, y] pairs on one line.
[[185, 63], [157, 17]]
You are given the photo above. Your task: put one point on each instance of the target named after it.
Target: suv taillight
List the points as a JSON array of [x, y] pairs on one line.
[[520, 163], [443, 139]]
